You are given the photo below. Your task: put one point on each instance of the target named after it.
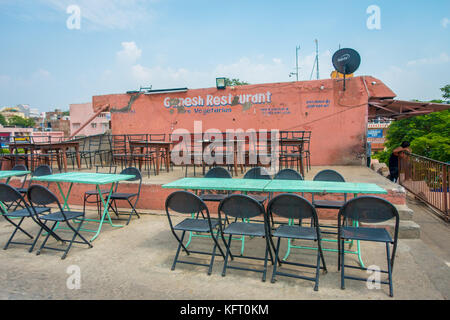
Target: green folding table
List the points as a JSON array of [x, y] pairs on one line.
[[11, 173], [220, 184], [97, 179], [299, 186], [8, 174]]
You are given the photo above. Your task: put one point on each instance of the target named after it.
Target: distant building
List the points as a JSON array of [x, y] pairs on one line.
[[82, 112], [376, 133], [9, 112], [55, 121]]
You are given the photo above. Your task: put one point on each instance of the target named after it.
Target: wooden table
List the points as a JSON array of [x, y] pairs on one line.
[[158, 146], [59, 147], [294, 142]]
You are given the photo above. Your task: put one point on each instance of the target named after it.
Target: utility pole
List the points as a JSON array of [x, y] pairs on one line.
[[297, 48]]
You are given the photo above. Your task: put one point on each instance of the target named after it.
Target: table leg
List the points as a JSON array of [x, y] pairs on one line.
[[105, 212], [64, 157], [77, 155], [168, 159], [157, 159]]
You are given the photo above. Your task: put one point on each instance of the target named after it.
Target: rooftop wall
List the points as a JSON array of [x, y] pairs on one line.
[[337, 119]]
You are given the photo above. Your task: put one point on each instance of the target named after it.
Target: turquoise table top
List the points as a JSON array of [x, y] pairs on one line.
[[218, 184], [259, 185], [323, 186], [84, 177], [12, 173]]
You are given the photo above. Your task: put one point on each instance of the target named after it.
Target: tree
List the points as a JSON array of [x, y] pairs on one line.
[[21, 122], [429, 135], [3, 121], [446, 92], [234, 82]]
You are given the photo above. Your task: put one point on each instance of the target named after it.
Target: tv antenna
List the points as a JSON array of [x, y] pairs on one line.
[[316, 61], [346, 61], [297, 48]]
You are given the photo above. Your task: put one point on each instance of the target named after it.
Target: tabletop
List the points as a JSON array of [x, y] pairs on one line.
[[260, 185], [7, 174], [85, 177], [256, 185], [323, 186]]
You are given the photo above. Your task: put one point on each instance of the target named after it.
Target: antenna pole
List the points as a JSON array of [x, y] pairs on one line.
[[296, 60], [317, 58]]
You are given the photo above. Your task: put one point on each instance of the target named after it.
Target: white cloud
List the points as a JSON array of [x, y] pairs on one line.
[[445, 22], [442, 58], [130, 53], [111, 14]]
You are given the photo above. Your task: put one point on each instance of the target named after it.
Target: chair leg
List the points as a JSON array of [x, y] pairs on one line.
[[46, 238], [76, 232], [180, 244], [391, 289], [342, 265], [213, 254], [224, 271], [15, 230], [265, 261], [274, 272]]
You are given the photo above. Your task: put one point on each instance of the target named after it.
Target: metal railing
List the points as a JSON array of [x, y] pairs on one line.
[[428, 180]]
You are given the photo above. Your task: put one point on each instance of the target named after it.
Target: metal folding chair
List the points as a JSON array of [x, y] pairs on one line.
[[216, 172], [294, 207], [187, 203], [40, 195], [367, 209], [257, 173], [243, 207], [10, 195], [117, 196]]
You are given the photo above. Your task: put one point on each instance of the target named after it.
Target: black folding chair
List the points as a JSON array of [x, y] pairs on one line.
[[257, 173], [42, 170], [40, 195], [216, 172], [243, 207], [188, 203], [333, 176], [117, 196], [91, 193], [285, 174], [367, 209], [10, 195], [294, 207]]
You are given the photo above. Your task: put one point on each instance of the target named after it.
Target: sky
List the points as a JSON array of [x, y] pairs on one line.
[[48, 60]]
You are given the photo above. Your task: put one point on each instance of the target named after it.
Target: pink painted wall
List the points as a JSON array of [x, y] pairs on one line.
[[337, 119], [80, 113]]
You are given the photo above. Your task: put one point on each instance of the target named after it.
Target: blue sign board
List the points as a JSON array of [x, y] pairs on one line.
[[375, 133]]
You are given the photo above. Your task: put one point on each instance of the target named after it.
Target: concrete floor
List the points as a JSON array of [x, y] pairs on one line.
[[134, 263]]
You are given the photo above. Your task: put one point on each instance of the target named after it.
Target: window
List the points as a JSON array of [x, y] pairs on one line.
[[93, 125]]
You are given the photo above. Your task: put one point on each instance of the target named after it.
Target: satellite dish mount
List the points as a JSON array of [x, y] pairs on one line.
[[346, 61]]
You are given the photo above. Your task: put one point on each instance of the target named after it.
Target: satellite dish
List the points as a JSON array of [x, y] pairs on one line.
[[346, 61]]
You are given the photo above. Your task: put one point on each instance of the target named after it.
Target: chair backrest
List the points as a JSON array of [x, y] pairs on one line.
[[42, 170], [369, 209], [184, 202], [329, 175], [41, 196], [10, 194], [257, 173], [19, 167], [292, 206], [218, 172], [240, 206], [288, 174], [132, 171]]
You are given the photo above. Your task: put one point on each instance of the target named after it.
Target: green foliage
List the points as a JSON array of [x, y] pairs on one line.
[[446, 92], [234, 82], [3, 121], [429, 136], [21, 122]]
